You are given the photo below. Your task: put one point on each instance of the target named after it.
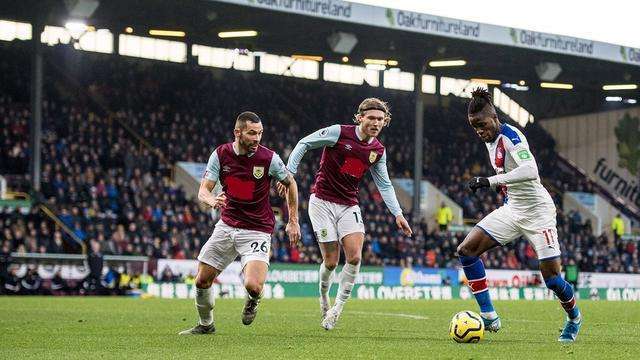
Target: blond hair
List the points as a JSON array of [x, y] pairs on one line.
[[373, 104]]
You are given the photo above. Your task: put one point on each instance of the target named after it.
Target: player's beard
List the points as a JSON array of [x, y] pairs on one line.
[[246, 145]]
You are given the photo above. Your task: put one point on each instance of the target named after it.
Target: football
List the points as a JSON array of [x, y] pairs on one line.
[[466, 327]]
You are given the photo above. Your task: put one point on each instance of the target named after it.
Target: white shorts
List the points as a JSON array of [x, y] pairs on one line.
[[539, 228], [227, 242], [332, 222]]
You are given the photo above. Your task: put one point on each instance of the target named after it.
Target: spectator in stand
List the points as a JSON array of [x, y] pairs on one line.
[[444, 217], [12, 283], [617, 227], [31, 283], [5, 260], [167, 275], [59, 285], [95, 261]]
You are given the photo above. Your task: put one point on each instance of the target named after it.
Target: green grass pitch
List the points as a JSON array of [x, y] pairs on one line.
[[92, 328]]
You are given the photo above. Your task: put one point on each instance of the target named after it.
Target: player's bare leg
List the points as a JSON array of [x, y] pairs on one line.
[[550, 270], [330, 257], [255, 274], [475, 244], [204, 300], [352, 245]]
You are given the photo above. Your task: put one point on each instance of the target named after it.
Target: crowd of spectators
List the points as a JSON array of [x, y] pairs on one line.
[[111, 139]]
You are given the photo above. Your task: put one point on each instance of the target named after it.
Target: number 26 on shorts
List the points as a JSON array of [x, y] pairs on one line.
[[259, 247]]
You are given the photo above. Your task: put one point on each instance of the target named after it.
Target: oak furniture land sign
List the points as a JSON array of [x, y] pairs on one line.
[[606, 146], [442, 26]]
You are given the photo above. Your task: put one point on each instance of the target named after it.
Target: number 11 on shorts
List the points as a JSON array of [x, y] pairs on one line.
[[356, 215], [548, 235]]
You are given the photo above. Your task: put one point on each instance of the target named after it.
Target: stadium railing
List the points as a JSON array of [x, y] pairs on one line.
[[51, 215]]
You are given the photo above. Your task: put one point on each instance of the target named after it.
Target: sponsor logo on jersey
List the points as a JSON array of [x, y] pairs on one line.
[[348, 147], [524, 154], [226, 168], [372, 156], [324, 132], [354, 167], [258, 172], [239, 189]]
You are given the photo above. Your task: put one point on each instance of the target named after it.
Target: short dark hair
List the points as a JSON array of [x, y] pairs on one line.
[[480, 98], [247, 116]]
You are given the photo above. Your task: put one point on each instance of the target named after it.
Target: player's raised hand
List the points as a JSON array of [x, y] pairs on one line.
[[403, 225], [282, 189], [478, 182], [221, 201], [293, 230]]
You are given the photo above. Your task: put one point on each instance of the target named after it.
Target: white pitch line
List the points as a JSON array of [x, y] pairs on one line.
[[408, 316]]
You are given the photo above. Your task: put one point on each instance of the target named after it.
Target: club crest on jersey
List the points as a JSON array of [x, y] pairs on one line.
[[372, 156], [258, 172]]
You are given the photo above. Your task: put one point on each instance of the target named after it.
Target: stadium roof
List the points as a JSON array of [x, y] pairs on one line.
[[286, 33]]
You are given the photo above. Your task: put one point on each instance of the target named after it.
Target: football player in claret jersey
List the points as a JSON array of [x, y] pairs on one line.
[[528, 211], [349, 151], [245, 169]]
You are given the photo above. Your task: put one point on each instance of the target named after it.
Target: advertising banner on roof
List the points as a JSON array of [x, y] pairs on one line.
[[447, 27]]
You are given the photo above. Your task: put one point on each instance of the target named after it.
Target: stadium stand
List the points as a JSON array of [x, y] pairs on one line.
[[108, 151]]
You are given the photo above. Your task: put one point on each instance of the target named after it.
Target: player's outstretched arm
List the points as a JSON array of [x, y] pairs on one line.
[[286, 180], [526, 169], [520, 174], [478, 182], [293, 227], [324, 137], [381, 178], [403, 225]]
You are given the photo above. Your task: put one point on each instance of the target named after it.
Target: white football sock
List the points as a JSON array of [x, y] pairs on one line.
[[325, 279], [347, 279], [204, 305], [489, 315]]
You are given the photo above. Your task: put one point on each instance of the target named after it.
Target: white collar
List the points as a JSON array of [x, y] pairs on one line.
[[360, 135]]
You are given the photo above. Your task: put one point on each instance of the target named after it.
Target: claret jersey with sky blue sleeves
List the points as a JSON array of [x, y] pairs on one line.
[[277, 169], [246, 182], [344, 160]]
